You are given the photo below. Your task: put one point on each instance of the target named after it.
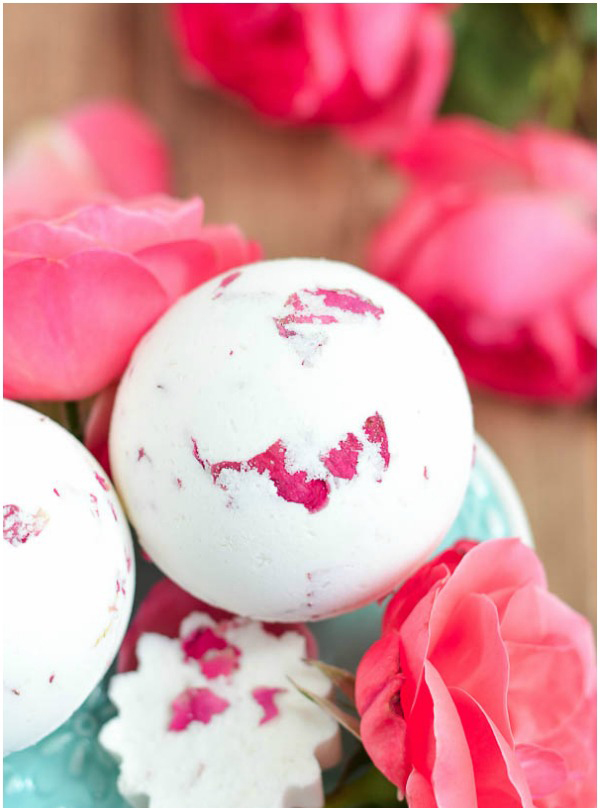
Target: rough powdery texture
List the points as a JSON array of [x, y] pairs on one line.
[[279, 418], [239, 736], [68, 582]]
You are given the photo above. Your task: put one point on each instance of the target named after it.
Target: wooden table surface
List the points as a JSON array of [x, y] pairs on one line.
[[298, 193]]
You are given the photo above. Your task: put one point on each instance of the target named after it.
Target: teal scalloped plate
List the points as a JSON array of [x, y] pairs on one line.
[[69, 769]]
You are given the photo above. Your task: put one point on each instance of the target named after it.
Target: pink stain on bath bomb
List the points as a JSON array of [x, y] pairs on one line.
[[343, 460], [195, 704], [216, 656]]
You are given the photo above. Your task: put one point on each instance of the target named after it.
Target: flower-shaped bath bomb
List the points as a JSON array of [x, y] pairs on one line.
[[68, 575], [213, 718], [291, 439]]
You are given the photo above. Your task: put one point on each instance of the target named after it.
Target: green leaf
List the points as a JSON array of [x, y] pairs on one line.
[[370, 790]]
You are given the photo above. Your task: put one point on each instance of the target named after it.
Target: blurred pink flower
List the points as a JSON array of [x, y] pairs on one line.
[[482, 688], [381, 68], [166, 606], [496, 240], [80, 291], [98, 149]]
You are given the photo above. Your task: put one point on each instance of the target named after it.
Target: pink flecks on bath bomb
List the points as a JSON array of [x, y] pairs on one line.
[[195, 704], [216, 656], [374, 429], [296, 486], [265, 697], [292, 486], [228, 279], [166, 606], [313, 307], [102, 480], [342, 462], [19, 525]]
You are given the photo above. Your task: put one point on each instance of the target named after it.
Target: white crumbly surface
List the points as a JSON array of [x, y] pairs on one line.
[[68, 576], [227, 373], [234, 759]]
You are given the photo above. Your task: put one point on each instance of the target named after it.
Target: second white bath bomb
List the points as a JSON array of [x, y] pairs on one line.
[[291, 439]]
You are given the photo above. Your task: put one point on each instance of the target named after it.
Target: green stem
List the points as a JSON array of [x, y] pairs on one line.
[[73, 419]]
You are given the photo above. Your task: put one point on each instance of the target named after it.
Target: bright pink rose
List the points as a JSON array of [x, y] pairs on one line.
[[381, 68], [497, 242], [80, 291], [165, 607], [482, 689], [95, 150]]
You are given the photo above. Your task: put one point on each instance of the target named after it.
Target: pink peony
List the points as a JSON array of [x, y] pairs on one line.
[[166, 606], [80, 291], [482, 688], [95, 150], [497, 242], [381, 68]]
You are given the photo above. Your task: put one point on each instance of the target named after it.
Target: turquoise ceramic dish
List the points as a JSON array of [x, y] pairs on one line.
[[69, 769]]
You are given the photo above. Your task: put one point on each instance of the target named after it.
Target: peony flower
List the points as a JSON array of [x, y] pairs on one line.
[[80, 291], [95, 150], [381, 68], [482, 688], [496, 241]]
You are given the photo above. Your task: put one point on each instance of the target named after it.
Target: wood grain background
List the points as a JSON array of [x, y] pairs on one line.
[[299, 193]]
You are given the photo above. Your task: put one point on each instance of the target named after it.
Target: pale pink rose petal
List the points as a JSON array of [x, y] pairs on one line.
[[452, 773], [35, 238], [179, 266], [126, 149], [544, 769], [76, 318], [419, 793], [471, 655], [499, 779], [231, 246], [380, 662]]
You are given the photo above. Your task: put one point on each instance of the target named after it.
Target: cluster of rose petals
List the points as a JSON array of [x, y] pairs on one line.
[[496, 240], [95, 150], [380, 69], [482, 688], [167, 605], [81, 290]]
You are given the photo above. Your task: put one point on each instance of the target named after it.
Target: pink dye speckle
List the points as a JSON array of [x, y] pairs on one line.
[[342, 462], [178, 481], [19, 526], [195, 704], [15, 691], [141, 453], [225, 283], [347, 300], [374, 429], [425, 473], [113, 511], [51, 678], [102, 481], [128, 563], [265, 697], [94, 508], [216, 656], [56, 492], [474, 455]]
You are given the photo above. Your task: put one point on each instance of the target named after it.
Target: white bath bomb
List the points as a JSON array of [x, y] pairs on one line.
[[291, 439], [212, 719], [68, 575]]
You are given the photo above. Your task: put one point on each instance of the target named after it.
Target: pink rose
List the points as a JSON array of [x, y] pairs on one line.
[[166, 606], [80, 291], [482, 689], [381, 68], [497, 242], [95, 150]]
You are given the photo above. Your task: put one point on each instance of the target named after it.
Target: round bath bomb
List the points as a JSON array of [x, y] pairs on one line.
[[68, 575], [291, 439]]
